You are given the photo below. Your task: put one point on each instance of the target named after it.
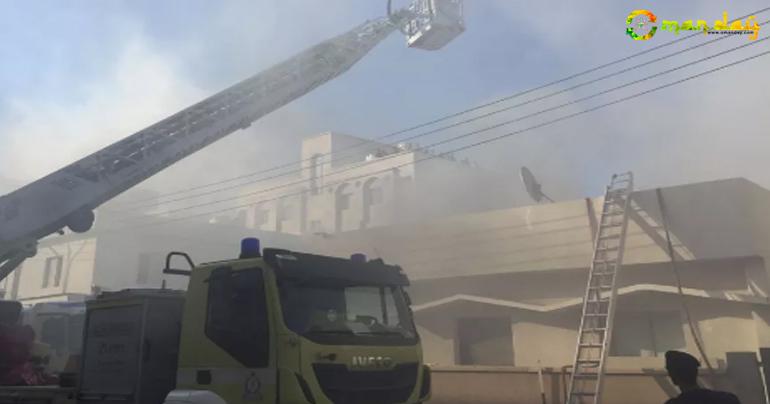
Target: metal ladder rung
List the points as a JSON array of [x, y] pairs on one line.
[[616, 196], [596, 314], [603, 269], [586, 376], [596, 317]]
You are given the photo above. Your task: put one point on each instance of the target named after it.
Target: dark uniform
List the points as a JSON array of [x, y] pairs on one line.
[[704, 396], [683, 370]]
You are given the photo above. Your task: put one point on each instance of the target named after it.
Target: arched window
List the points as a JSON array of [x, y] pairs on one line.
[[372, 196], [261, 215], [342, 196], [316, 172]]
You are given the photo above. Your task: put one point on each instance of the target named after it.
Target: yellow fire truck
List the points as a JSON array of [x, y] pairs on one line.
[[286, 327], [277, 327]]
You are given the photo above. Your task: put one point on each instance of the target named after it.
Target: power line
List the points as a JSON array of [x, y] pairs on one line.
[[437, 120], [486, 129], [482, 142], [456, 124]]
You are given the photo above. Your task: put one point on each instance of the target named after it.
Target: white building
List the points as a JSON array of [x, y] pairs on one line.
[[342, 184], [75, 266], [346, 183]]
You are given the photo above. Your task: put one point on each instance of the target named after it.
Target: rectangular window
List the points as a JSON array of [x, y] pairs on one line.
[[260, 216], [376, 196], [316, 226], [52, 271], [646, 334], [236, 315], [343, 201], [485, 341], [46, 275], [371, 302], [287, 211], [54, 332]]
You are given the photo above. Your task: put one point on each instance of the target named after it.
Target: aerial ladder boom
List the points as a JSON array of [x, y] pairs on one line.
[[67, 197]]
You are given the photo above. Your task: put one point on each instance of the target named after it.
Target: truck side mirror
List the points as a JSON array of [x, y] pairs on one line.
[[183, 272]]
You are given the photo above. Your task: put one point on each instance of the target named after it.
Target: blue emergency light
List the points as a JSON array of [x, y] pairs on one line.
[[250, 248], [358, 258]]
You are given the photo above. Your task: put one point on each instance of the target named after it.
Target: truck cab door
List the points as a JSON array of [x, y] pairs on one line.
[[236, 361]]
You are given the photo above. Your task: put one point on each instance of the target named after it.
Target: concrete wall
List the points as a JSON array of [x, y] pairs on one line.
[[120, 254], [708, 221], [113, 260], [488, 385], [410, 191], [721, 278], [78, 260], [548, 339], [539, 341]]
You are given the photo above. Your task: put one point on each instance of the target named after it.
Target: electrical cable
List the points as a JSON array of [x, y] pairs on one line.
[[443, 128], [443, 118], [456, 124], [472, 145], [672, 258], [452, 151], [476, 132]]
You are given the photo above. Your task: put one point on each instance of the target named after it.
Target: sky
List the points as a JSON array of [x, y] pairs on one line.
[[76, 76]]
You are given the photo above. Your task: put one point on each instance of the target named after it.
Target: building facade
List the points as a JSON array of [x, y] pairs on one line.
[[74, 267], [345, 183], [341, 184], [505, 287]]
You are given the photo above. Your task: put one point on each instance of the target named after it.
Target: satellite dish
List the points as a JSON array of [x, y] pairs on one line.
[[534, 189]]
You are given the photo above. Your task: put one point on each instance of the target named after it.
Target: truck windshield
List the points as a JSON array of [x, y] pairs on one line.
[[335, 312]]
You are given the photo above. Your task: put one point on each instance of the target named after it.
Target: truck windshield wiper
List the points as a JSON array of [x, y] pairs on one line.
[[344, 332], [382, 333]]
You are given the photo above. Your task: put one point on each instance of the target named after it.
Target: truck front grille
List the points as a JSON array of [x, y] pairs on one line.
[[344, 386]]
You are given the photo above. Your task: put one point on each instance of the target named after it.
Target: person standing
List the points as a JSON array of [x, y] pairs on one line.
[[682, 368]]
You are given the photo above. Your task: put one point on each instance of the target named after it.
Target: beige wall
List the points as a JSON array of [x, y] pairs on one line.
[[438, 344], [410, 190], [489, 385], [113, 260], [712, 220], [720, 278], [539, 341], [78, 259], [548, 339]]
